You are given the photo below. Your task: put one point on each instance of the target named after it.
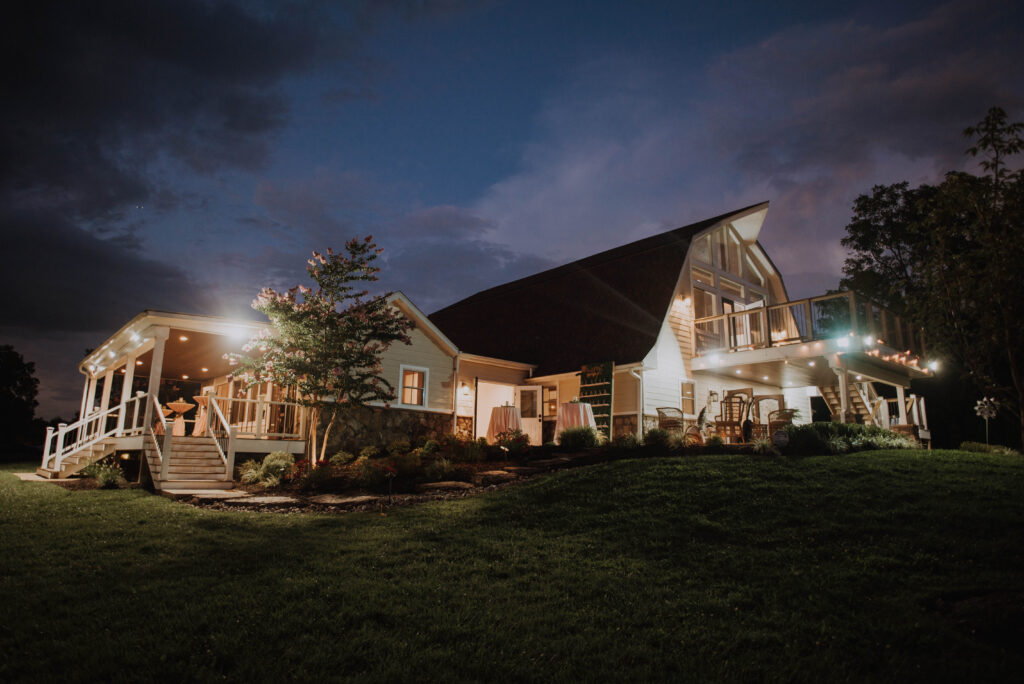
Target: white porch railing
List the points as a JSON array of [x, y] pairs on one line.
[[125, 419], [223, 435], [229, 418], [803, 320]]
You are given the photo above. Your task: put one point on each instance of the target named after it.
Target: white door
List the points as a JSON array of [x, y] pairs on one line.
[[528, 400]]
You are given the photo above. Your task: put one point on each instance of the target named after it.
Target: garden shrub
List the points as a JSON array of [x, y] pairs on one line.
[[764, 447], [577, 438], [714, 445], [836, 438], [430, 447], [249, 472], [315, 478], [444, 469], [369, 452], [626, 442], [978, 447], [407, 465], [399, 446], [658, 439], [514, 441], [277, 464], [107, 475], [342, 458], [374, 474]]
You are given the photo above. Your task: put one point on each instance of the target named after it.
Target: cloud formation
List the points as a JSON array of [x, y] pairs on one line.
[[807, 118]]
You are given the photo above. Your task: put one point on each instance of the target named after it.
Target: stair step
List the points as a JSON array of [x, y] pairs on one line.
[[195, 484], [174, 468], [195, 476]]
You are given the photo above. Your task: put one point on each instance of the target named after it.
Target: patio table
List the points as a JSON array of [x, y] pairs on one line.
[[199, 429], [181, 407], [503, 419], [574, 414]]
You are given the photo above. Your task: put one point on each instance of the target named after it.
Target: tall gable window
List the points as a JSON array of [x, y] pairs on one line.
[[414, 386], [725, 276]]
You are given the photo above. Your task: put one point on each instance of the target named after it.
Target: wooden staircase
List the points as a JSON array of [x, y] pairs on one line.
[[80, 459], [856, 402], [195, 464]]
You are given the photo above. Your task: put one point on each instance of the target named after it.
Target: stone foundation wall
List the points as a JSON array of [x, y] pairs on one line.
[[358, 428], [464, 427]]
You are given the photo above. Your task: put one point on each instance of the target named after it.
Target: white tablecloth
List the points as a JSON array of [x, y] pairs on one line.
[[503, 419], [574, 414]]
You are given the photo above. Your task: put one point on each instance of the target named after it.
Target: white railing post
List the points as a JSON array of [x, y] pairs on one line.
[[49, 442], [61, 429], [229, 464], [260, 406], [135, 411]]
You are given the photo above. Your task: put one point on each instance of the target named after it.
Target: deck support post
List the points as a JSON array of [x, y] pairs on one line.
[[844, 394], [901, 404], [108, 381]]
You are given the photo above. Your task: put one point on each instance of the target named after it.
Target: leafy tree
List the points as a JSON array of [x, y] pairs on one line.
[[18, 390], [328, 341], [949, 257]]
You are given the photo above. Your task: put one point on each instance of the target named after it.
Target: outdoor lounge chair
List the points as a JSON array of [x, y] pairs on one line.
[[670, 419], [730, 418], [780, 419]]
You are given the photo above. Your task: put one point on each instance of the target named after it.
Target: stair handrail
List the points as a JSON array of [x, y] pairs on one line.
[[92, 430], [228, 455], [165, 454]]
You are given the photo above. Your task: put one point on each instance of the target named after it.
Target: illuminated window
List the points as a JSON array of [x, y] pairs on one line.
[[735, 290], [703, 277], [703, 303], [733, 252], [702, 249], [414, 386], [754, 273], [688, 394]]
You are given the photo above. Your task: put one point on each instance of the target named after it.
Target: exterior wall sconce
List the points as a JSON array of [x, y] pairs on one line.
[[464, 389]]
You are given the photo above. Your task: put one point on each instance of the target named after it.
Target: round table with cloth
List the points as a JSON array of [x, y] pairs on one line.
[[503, 419], [574, 414]]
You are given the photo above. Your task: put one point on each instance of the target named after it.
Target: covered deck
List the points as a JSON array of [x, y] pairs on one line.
[[836, 343], [163, 378]]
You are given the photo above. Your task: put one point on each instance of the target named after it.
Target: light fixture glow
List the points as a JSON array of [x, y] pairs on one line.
[[183, 338], [859, 378], [184, 377], [138, 363], [869, 341], [843, 342], [738, 371], [765, 377], [204, 369], [464, 388], [811, 364], [934, 365]]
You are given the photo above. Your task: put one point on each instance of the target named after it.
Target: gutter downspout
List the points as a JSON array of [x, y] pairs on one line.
[[639, 401], [456, 387]]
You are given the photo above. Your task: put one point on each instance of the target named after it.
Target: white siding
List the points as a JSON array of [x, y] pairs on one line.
[[422, 353], [624, 392]]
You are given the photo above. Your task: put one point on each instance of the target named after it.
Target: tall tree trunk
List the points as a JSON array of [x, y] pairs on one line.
[[327, 432]]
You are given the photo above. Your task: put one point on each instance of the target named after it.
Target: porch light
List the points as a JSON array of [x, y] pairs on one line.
[[869, 341], [135, 337], [933, 365], [687, 302], [859, 378], [204, 369], [138, 363], [123, 370], [111, 353], [184, 377], [765, 377], [183, 338]]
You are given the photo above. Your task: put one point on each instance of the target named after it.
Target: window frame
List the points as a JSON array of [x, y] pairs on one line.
[[683, 399], [402, 368]]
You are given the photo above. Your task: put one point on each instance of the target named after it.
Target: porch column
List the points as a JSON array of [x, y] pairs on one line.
[[108, 380], [844, 394], [160, 336], [91, 400], [126, 391], [902, 404], [85, 397]]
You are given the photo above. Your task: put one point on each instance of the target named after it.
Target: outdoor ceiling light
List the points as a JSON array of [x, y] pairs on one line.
[[869, 341], [138, 363], [183, 338], [204, 369], [184, 377], [843, 342], [811, 363], [934, 365]]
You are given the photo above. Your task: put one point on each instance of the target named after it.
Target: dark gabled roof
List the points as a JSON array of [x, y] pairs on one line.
[[606, 307]]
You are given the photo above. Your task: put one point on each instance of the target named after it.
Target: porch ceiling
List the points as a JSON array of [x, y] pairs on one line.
[[200, 356], [803, 365]]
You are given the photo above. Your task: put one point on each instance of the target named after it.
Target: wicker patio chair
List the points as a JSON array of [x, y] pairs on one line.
[[670, 419]]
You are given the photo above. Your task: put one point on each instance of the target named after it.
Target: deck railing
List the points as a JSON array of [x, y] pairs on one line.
[[805, 320], [123, 419], [263, 418]]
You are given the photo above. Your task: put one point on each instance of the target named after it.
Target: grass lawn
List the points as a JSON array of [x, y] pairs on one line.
[[886, 566]]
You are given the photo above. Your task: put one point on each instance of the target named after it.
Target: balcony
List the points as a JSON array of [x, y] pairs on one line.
[[838, 317]]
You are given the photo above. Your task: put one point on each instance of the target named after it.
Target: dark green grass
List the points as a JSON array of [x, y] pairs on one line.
[[703, 569]]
